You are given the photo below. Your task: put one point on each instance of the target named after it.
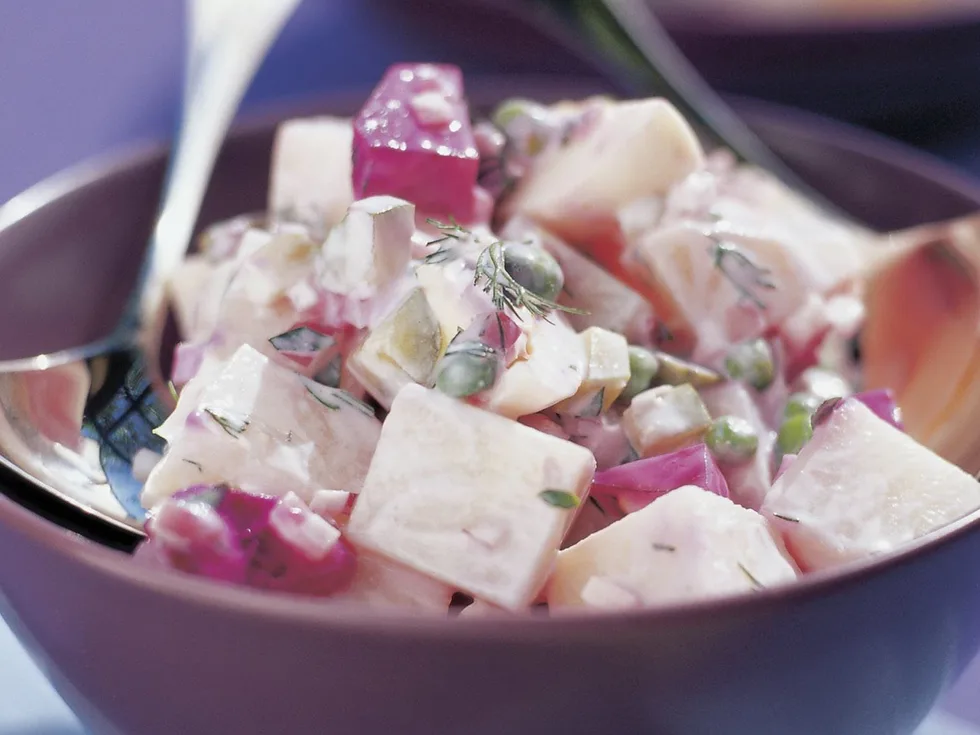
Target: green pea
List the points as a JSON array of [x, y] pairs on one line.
[[731, 439], [801, 404], [467, 372], [794, 434], [534, 268], [752, 362], [643, 369]]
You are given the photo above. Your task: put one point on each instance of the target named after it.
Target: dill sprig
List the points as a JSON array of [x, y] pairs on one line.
[[741, 270], [451, 231], [505, 292], [753, 580], [233, 426]]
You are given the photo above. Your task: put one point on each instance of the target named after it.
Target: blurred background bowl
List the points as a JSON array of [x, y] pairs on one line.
[[141, 651], [898, 69]]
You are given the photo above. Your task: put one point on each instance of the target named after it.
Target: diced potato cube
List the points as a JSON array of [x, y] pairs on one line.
[[607, 371], [688, 544], [370, 248], [189, 286], [623, 152], [254, 306], [736, 254], [678, 261], [458, 493], [380, 582], [311, 171], [665, 418], [404, 348], [261, 428], [606, 301], [552, 370], [861, 487]]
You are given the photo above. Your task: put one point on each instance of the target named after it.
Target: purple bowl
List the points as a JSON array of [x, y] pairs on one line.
[[866, 650]]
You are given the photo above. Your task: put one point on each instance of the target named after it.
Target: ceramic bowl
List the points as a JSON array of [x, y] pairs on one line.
[[864, 651]]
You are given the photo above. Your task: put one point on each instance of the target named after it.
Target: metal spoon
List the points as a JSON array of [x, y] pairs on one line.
[[226, 43]]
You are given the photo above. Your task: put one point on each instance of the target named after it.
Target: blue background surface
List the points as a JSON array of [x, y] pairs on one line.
[[81, 78]]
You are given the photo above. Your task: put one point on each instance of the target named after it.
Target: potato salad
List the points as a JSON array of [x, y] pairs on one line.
[[559, 359]]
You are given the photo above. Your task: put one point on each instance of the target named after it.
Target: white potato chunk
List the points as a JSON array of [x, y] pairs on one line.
[[625, 151], [606, 301], [190, 285], [254, 306], [861, 487], [687, 545], [382, 583], [607, 371], [455, 492], [551, 371], [260, 427], [311, 171], [480, 609], [370, 248], [725, 237], [665, 418]]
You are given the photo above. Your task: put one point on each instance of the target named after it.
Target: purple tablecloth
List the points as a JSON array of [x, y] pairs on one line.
[[82, 78]]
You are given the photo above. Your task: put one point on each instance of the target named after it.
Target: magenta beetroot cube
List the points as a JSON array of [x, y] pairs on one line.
[[413, 140]]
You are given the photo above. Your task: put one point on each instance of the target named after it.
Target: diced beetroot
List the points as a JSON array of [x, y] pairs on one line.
[[249, 539], [882, 403], [413, 139], [637, 484], [301, 552], [194, 538]]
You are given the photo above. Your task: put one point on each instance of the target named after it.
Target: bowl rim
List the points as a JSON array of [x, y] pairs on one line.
[[358, 617], [816, 26]]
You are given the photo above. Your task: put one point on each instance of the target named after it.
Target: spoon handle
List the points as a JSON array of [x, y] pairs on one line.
[[629, 34], [227, 41]]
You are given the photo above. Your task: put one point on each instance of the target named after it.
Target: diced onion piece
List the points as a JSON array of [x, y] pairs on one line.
[[637, 484]]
